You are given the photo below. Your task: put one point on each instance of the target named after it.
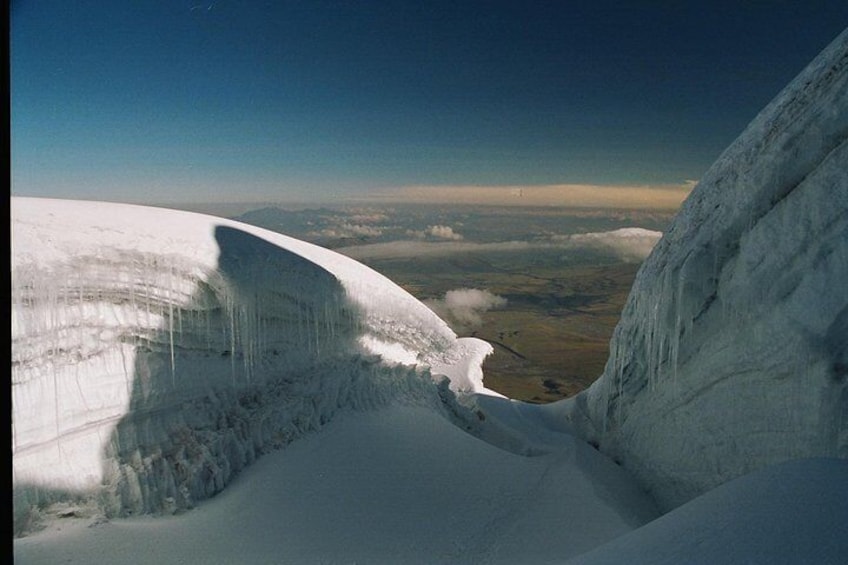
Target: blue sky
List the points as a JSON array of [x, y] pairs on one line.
[[290, 100]]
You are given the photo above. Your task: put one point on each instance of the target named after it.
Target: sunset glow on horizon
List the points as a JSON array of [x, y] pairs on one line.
[[324, 101]]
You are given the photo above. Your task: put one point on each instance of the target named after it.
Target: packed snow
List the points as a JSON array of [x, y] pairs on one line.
[[396, 485], [792, 512]]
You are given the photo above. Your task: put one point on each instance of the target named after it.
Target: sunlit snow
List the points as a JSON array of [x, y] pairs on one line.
[[115, 304]]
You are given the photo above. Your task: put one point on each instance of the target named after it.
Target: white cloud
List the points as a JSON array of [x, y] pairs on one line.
[[629, 244], [443, 232], [465, 306], [349, 230], [436, 232], [359, 229], [365, 217]]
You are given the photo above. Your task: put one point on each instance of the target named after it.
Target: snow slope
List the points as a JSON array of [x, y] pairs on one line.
[[157, 352], [397, 485], [403, 485], [791, 512], [732, 350]]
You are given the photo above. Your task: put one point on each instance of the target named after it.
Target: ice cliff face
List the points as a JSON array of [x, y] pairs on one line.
[[156, 352], [732, 351]]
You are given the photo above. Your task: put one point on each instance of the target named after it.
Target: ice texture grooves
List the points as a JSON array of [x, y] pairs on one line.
[[731, 351], [157, 352]]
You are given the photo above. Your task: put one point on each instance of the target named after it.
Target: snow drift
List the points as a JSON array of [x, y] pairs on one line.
[[732, 350], [156, 352], [396, 485]]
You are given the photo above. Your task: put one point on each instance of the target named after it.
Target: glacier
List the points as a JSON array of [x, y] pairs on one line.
[[732, 350], [155, 352]]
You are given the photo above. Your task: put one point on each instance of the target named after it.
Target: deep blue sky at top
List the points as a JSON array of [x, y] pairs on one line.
[[224, 100]]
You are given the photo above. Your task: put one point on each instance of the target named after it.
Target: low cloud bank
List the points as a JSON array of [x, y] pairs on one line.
[[465, 306], [348, 230], [443, 232], [628, 244]]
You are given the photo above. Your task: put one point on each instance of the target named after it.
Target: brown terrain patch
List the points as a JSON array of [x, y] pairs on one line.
[[551, 340]]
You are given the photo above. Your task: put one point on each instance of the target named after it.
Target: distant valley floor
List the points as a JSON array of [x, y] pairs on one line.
[[551, 338]]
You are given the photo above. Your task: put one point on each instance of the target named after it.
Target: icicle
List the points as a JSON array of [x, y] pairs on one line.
[[170, 299], [248, 336], [316, 327], [180, 321], [147, 293], [232, 314], [207, 326], [56, 399], [14, 440], [678, 306], [651, 344]]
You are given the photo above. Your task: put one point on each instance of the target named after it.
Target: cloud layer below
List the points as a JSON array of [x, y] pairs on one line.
[[628, 244]]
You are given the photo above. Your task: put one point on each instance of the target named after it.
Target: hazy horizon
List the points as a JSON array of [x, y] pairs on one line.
[[325, 102]]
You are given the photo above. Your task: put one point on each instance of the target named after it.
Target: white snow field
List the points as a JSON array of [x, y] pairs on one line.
[[791, 512], [399, 484], [157, 354]]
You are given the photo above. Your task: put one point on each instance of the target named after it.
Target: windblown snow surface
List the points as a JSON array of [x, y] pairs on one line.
[[156, 355]]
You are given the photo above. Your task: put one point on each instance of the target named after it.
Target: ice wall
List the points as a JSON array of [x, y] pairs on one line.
[[732, 351], [155, 352]]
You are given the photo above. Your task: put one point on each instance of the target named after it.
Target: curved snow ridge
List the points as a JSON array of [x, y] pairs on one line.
[[124, 316], [155, 259], [731, 351], [47, 231]]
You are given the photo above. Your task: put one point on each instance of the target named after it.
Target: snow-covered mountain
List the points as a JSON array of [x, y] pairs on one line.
[[732, 351], [157, 352]]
